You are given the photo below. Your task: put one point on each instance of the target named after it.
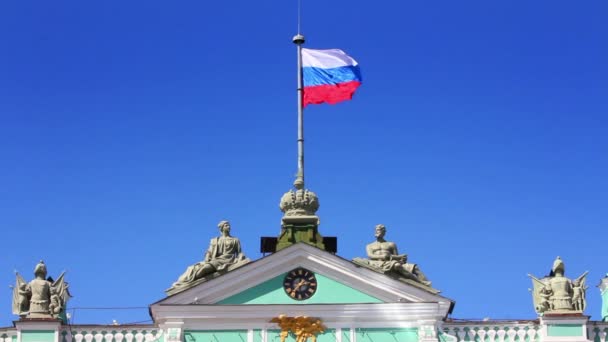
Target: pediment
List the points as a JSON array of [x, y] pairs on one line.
[[260, 282]]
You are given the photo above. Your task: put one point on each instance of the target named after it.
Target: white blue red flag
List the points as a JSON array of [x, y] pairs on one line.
[[329, 76]]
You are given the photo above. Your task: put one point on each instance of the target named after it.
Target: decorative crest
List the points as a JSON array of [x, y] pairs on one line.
[[302, 327]]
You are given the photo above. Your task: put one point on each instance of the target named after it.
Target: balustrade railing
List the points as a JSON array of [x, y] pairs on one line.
[[598, 331], [491, 331], [110, 333], [8, 335]]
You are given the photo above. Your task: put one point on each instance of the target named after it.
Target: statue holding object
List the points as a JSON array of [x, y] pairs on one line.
[[383, 257], [557, 294], [42, 297]]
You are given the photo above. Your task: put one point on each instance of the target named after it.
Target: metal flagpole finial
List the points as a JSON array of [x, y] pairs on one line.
[[298, 39]]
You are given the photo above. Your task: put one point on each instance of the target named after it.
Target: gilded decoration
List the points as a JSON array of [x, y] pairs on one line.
[[302, 327]]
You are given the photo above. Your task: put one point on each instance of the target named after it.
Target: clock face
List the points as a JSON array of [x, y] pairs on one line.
[[300, 284]]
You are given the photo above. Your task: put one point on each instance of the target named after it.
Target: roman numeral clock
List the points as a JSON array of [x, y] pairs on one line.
[[300, 284]]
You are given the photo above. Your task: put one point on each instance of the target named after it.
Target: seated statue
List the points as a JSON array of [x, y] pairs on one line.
[[383, 257], [224, 254]]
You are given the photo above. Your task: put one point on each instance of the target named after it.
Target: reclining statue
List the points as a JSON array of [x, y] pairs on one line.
[[224, 254], [383, 257]]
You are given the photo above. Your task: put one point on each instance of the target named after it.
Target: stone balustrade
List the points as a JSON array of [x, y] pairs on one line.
[[491, 331], [598, 331], [452, 331], [110, 333], [8, 335]]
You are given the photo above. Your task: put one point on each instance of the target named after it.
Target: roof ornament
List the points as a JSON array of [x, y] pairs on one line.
[[223, 255], [301, 202], [383, 257], [556, 294], [42, 297]]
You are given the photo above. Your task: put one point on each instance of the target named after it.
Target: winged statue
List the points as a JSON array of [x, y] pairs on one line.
[[42, 297], [556, 293]]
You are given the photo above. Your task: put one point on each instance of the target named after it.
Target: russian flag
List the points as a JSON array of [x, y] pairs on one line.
[[329, 76]]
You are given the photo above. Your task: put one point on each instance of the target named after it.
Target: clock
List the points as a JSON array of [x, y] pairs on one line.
[[300, 284]]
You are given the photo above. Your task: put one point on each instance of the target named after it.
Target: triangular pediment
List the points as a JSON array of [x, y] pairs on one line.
[[328, 291], [340, 282]]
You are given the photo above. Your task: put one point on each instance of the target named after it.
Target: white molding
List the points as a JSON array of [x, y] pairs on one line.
[[398, 315], [37, 325]]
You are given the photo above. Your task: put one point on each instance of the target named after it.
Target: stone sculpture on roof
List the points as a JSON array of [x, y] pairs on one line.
[[557, 294], [300, 222], [383, 257], [224, 254], [42, 297], [604, 292]]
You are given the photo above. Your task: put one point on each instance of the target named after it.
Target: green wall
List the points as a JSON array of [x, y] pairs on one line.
[[346, 335], [38, 336], [387, 335], [564, 330], [328, 336], [216, 336], [328, 292], [605, 305], [257, 335]]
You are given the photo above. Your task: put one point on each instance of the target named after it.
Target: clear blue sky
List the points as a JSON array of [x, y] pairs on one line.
[[129, 129]]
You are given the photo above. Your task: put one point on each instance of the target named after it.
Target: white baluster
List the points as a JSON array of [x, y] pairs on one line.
[[78, 337], [139, 337], [603, 336], [491, 335], [511, 333], [522, 335], [118, 337], [449, 332], [460, 334], [472, 334], [532, 334], [501, 334], [129, 337], [98, 337], [149, 337], [108, 337], [88, 337], [482, 334]]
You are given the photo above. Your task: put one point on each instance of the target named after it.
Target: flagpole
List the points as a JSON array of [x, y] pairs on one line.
[[299, 183]]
